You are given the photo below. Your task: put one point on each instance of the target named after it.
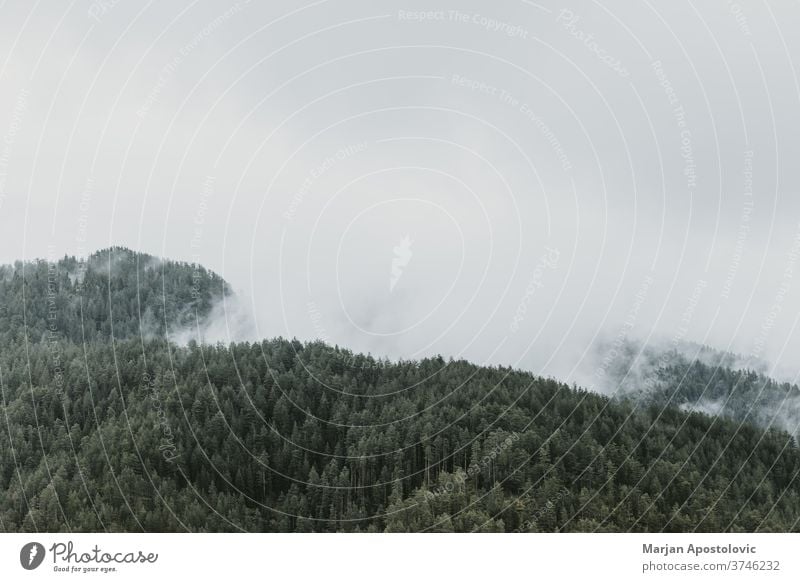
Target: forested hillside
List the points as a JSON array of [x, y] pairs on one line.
[[705, 380], [112, 293], [288, 436]]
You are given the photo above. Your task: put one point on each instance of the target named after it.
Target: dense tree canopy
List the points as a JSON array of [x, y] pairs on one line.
[[113, 293], [698, 378], [138, 433]]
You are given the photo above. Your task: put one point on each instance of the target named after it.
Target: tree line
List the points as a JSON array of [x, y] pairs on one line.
[[115, 430]]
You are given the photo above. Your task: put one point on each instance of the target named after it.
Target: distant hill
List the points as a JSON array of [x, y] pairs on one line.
[[699, 378], [143, 434], [112, 292]]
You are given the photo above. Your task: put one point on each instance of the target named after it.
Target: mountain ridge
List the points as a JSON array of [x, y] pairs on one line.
[[143, 434], [132, 294]]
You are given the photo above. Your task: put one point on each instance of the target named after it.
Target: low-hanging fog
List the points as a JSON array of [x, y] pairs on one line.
[[509, 183]]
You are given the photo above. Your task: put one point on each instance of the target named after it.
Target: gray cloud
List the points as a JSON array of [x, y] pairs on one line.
[[293, 148]]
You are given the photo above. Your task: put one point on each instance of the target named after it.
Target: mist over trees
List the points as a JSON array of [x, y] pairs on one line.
[[107, 425], [698, 378]]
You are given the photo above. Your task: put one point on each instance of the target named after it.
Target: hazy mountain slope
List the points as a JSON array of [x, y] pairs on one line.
[[285, 436], [113, 291], [701, 379]]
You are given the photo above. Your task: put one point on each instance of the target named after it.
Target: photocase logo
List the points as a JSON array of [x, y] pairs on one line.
[[31, 555], [402, 256]]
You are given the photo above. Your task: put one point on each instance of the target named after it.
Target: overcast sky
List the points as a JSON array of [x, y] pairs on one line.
[[504, 182]]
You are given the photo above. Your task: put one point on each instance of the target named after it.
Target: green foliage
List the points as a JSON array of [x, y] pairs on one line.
[[280, 435], [113, 293], [700, 379]]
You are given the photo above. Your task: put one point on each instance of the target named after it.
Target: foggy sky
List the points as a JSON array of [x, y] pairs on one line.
[[504, 182]]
